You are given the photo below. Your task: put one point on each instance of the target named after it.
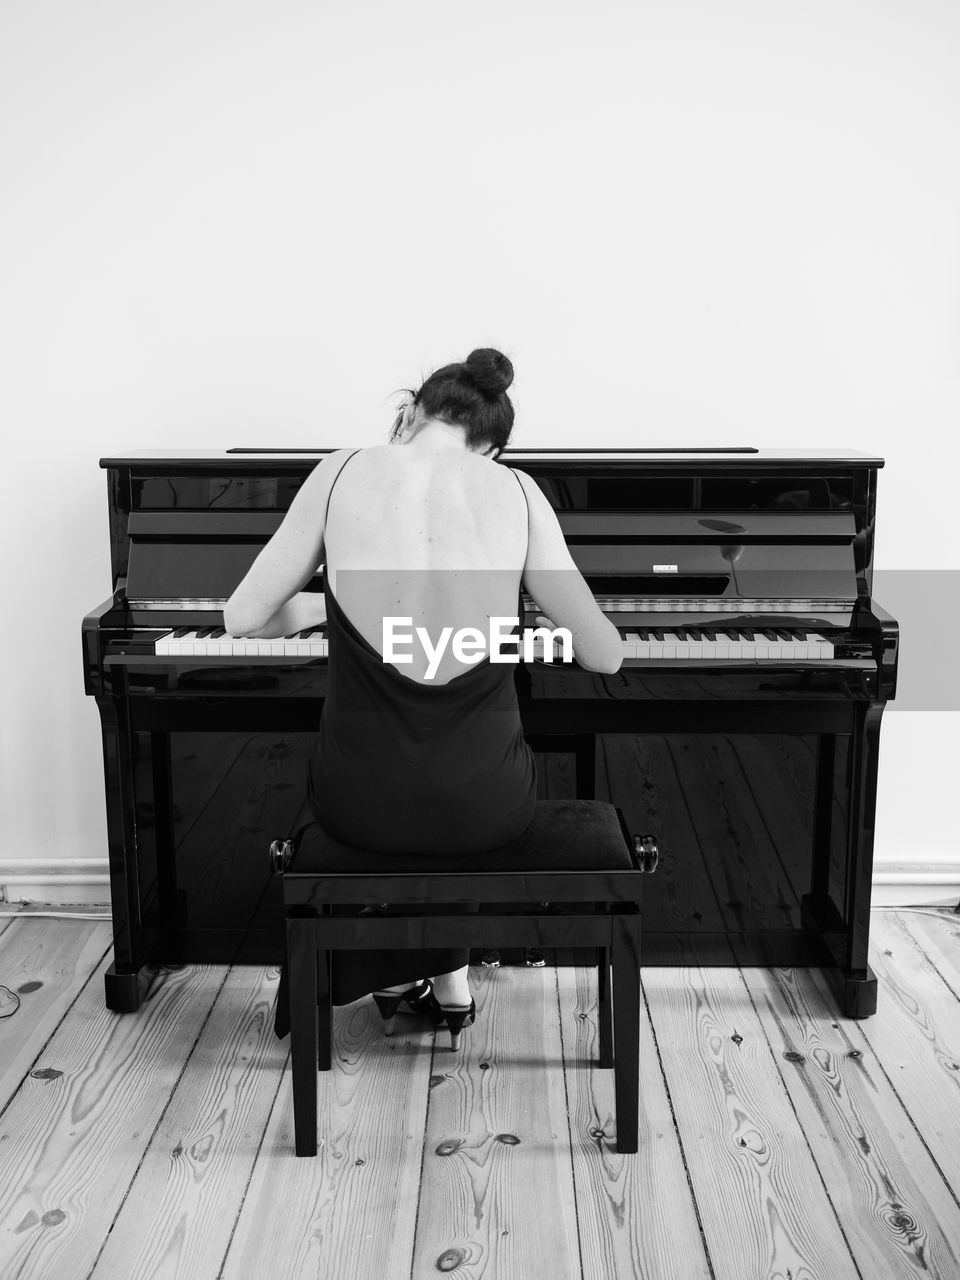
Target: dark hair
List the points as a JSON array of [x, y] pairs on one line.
[[472, 395]]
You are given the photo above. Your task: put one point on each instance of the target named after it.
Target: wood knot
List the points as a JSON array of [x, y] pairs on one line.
[[435, 1080], [46, 1073], [9, 1002], [485, 1066], [793, 1056], [752, 1141], [450, 1259], [737, 1038], [903, 1221], [449, 1147], [53, 1217], [508, 1139], [27, 987]]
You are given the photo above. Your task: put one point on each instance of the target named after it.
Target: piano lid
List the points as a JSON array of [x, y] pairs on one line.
[[256, 459]]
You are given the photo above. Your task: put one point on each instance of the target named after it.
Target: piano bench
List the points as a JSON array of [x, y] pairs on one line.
[[574, 854]]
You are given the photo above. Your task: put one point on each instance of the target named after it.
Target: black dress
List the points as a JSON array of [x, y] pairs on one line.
[[414, 768]]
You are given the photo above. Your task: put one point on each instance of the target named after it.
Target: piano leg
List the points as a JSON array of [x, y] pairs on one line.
[[125, 980], [125, 991], [860, 994], [846, 936]]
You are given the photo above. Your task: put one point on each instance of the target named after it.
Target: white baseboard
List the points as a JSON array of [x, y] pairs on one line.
[[86, 881], [909, 884], [55, 881]]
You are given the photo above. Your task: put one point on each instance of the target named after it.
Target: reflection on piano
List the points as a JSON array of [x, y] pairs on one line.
[[743, 725]]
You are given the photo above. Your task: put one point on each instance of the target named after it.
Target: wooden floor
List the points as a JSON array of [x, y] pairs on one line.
[[776, 1139]]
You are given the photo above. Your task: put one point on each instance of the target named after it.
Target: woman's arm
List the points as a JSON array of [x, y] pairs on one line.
[[561, 592], [269, 601], [301, 612]]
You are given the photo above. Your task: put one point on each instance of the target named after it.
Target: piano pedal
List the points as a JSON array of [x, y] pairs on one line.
[[281, 851]]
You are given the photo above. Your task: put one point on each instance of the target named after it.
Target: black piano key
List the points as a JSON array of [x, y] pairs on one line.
[[771, 635], [734, 635], [707, 635], [203, 632], [783, 635], [181, 632], [302, 635], [217, 632], [749, 636], [658, 634], [695, 633]]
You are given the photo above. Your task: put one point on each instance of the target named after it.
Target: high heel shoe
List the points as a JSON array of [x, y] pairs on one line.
[[419, 997], [456, 1016]]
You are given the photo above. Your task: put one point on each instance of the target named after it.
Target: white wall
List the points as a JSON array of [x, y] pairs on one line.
[[690, 221]]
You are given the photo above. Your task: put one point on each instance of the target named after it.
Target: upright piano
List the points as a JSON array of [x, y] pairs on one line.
[[743, 727]]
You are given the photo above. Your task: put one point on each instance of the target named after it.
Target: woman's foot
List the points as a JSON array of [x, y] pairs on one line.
[[418, 995], [401, 987], [452, 988], [452, 992]]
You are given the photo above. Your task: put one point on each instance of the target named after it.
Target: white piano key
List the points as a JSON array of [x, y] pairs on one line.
[[635, 646]]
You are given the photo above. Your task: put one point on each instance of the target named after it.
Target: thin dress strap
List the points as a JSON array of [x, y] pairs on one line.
[[335, 479], [527, 505], [520, 604]]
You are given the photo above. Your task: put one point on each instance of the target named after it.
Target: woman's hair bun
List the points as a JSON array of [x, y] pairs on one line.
[[490, 370]]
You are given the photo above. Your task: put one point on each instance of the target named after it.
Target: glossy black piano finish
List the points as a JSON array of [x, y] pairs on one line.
[[759, 779]]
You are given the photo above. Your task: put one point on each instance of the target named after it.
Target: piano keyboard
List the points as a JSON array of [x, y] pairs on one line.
[[214, 642], [767, 645], [648, 644]]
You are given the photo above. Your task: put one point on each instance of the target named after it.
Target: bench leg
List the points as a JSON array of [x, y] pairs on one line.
[[324, 1010], [302, 957], [604, 1019], [626, 1027]]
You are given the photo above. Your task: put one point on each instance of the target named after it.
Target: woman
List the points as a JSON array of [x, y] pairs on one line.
[[420, 746]]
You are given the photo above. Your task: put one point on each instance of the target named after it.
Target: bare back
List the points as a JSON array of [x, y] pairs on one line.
[[437, 536]]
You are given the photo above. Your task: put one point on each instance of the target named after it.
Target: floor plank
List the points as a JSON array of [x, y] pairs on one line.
[[76, 1130], [916, 1036], [497, 1186], [636, 1213], [761, 1201], [938, 937], [351, 1211], [44, 964], [898, 1216], [178, 1217]]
